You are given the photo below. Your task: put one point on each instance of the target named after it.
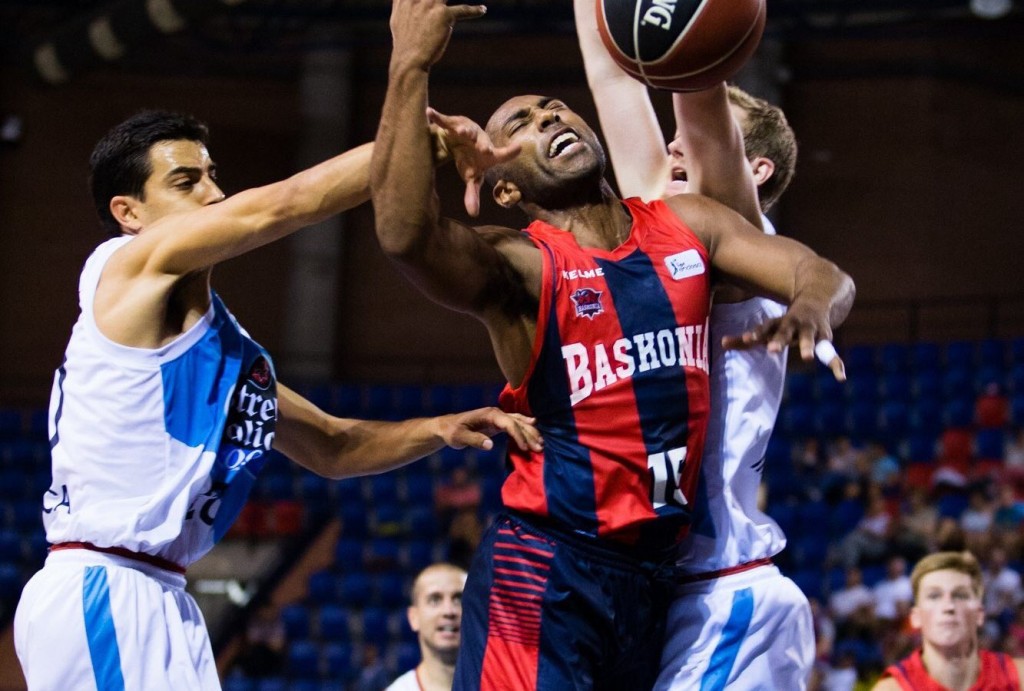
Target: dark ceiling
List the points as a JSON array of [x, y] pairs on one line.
[[270, 34]]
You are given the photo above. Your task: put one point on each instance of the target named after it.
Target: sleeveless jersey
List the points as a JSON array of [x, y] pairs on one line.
[[155, 450], [618, 383], [998, 673], [728, 529]]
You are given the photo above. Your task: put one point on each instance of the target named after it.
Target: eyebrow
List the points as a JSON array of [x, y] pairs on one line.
[[523, 112], [191, 170]]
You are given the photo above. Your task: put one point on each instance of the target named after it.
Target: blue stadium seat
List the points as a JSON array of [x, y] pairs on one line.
[[449, 459], [491, 462], [271, 684], [811, 549], [354, 521], [276, 485], [388, 521], [338, 661], [322, 587], [959, 412], [382, 553], [926, 416], [384, 488], [314, 487], [407, 657], [862, 388], [10, 424], [810, 582], [925, 357], [28, 515], [1017, 408], [39, 424], [862, 420], [844, 517], [491, 494], [921, 447], [957, 382], [960, 354], [872, 574], [785, 514], [896, 386], [354, 588], [829, 417], [1017, 351], [418, 555], [827, 387], [303, 660], [860, 360], [295, 619], [469, 396], [797, 419], [799, 388], [893, 420], [12, 485], [1016, 378], [10, 546], [349, 491], [333, 624], [348, 400], [375, 626], [990, 444], [348, 554], [422, 522], [419, 488], [927, 384], [992, 351], [893, 358], [440, 399], [379, 402], [304, 685], [951, 505], [988, 375], [409, 401], [390, 590], [239, 683]]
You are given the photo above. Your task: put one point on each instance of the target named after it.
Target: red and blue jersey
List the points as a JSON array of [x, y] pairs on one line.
[[618, 382]]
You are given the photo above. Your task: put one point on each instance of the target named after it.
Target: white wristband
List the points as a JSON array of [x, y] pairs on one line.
[[825, 352]]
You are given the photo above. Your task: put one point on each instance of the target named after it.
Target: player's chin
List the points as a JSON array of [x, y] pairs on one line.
[[675, 187]]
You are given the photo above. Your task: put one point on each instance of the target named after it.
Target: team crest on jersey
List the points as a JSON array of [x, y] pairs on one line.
[[260, 372], [588, 302]]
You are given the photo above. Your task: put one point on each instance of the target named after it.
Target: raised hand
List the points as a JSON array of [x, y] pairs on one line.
[[476, 427], [420, 29], [472, 150], [791, 329]]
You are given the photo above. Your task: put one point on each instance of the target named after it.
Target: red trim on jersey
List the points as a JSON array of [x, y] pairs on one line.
[[150, 559], [739, 568]]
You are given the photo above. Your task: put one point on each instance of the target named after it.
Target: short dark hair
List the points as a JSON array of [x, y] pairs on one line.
[[120, 162], [767, 133]]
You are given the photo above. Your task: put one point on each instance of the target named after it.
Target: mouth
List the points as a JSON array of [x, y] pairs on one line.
[[562, 143], [678, 174]]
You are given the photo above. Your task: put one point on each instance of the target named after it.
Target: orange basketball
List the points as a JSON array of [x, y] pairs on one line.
[[681, 45]]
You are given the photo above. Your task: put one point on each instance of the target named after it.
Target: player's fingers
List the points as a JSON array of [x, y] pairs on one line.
[[838, 368], [506, 153], [806, 342], [467, 437], [440, 119], [460, 12], [472, 197]]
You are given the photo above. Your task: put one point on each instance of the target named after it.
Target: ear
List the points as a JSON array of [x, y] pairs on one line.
[[124, 210], [762, 168], [506, 194], [413, 615], [915, 619]]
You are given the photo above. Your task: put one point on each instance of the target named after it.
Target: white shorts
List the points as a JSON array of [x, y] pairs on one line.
[[90, 620], [746, 631]]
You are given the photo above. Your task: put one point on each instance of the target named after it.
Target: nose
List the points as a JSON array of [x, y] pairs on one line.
[[548, 118], [215, 194]]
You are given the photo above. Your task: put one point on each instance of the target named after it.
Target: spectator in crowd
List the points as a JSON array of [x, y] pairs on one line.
[[992, 410], [870, 539], [853, 603], [893, 595], [373, 675], [1015, 453], [263, 651], [1002, 586], [435, 614], [976, 520], [460, 493]]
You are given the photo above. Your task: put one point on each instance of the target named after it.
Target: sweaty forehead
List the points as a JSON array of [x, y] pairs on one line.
[[508, 110]]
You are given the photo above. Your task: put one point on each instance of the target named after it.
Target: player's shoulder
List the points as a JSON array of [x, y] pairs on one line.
[[886, 684]]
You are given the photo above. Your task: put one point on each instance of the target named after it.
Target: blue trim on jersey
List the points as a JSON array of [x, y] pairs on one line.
[[724, 657], [662, 400], [197, 384], [99, 630], [62, 374], [568, 484]]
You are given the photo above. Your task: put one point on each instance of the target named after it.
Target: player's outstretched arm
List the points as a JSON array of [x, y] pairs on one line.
[[887, 684], [713, 152], [338, 448], [181, 243], [629, 124], [818, 293], [450, 262]]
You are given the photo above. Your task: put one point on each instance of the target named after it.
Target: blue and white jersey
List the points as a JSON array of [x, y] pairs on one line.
[[746, 390], [156, 450]]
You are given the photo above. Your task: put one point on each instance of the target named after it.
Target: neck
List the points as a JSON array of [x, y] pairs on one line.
[[435, 675], [956, 667], [602, 222]]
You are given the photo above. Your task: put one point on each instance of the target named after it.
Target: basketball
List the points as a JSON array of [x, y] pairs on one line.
[[681, 45]]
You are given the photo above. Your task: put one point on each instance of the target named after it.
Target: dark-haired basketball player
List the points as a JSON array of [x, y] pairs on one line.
[[736, 622], [597, 314], [164, 409]]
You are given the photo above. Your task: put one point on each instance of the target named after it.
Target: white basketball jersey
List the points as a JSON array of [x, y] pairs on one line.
[[746, 389], [155, 450], [407, 682]]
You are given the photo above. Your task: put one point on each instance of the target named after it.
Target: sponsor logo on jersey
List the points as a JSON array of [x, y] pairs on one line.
[[588, 302], [592, 367], [578, 274], [685, 264]]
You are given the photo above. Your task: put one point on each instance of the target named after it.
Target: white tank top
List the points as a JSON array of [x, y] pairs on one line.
[[746, 389], [155, 450]]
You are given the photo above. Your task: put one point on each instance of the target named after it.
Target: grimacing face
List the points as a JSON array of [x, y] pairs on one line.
[[558, 148], [436, 612], [948, 610], [183, 178]]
